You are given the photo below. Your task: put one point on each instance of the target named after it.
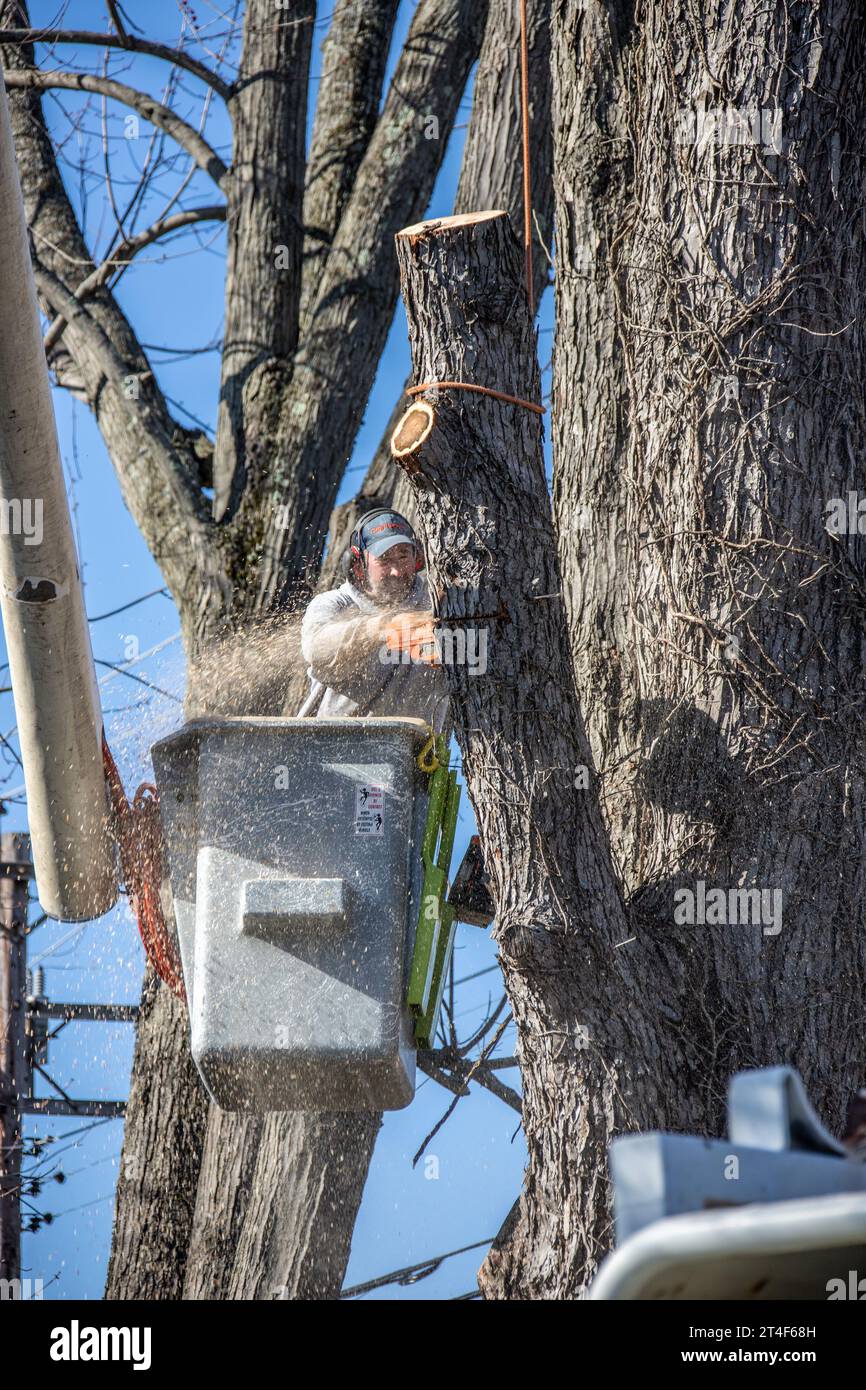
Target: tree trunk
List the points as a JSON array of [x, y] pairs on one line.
[[265, 222], [482, 498], [491, 176], [155, 1194], [708, 408], [354, 57], [304, 1200]]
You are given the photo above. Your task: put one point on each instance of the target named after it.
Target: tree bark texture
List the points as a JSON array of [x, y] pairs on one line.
[[491, 176], [265, 222], [708, 407], [155, 1195], [354, 56], [482, 499]]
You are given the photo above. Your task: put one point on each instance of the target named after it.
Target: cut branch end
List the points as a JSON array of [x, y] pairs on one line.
[[446, 224], [413, 429]]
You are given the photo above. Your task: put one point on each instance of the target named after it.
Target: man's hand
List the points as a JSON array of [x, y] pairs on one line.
[[415, 635]]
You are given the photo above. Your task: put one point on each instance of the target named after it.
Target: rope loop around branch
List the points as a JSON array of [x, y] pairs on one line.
[[482, 390]]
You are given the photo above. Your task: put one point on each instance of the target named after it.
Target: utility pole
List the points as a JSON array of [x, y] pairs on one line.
[[15, 872], [24, 1038]]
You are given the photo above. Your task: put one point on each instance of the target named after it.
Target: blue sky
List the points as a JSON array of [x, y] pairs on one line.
[[173, 295]]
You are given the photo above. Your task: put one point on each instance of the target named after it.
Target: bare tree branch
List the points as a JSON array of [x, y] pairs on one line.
[[114, 16], [153, 111], [124, 252], [113, 368], [154, 457], [454, 1073], [471, 1074], [130, 43], [354, 56], [265, 227]]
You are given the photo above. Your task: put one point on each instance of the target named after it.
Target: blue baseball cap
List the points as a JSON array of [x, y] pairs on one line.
[[381, 532]]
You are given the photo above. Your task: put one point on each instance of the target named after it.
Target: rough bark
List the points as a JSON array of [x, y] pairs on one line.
[[482, 499], [265, 225], [708, 407], [590, 420], [298, 1248], [354, 57], [155, 1193], [491, 176]]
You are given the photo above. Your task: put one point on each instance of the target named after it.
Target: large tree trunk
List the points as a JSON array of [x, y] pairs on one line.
[[154, 1198], [482, 498], [265, 222], [708, 407]]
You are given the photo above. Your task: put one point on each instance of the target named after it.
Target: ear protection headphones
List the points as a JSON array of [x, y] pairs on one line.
[[353, 560]]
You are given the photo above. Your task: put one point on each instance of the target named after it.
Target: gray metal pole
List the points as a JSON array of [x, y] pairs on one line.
[[15, 870]]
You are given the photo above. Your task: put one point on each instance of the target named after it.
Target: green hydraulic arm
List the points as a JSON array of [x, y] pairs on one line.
[[434, 936]]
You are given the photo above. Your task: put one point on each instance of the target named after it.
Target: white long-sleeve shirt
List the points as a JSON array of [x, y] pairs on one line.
[[344, 683]]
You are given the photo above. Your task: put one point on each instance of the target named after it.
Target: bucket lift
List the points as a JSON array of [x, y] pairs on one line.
[[309, 861]]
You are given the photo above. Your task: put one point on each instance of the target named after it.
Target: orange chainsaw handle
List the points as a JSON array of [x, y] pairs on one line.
[[416, 636]]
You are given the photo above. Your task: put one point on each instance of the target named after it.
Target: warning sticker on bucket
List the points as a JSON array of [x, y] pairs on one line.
[[369, 809]]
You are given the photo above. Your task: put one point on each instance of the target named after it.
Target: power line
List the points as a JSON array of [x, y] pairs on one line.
[[142, 680], [111, 613], [178, 405], [124, 666], [478, 973], [109, 1196], [53, 1138], [75, 931], [412, 1273]]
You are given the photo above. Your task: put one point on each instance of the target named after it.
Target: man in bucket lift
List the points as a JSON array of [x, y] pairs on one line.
[[370, 649], [369, 645]]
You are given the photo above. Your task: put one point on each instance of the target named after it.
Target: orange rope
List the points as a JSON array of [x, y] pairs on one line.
[[527, 171], [138, 830], [468, 386]]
